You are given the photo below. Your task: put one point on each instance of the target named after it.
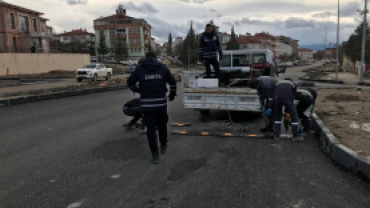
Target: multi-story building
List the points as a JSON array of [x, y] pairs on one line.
[[152, 44], [20, 28], [305, 54], [178, 41], [290, 41], [285, 49], [79, 35], [135, 32], [269, 41]]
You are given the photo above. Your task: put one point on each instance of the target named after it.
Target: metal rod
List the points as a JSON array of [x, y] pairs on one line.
[[325, 50], [363, 45], [337, 68]]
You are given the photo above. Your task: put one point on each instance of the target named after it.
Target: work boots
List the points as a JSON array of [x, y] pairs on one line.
[[155, 157]]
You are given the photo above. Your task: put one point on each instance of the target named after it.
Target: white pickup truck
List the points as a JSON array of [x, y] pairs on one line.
[[238, 67], [93, 72]]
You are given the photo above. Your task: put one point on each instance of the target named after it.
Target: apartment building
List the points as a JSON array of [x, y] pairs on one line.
[[290, 41], [269, 41], [81, 36], [285, 49], [305, 54], [20, 28], [135, 32]]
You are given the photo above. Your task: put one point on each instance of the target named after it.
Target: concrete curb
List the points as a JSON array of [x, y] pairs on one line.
[[6, 102], [341, 154], [324, 81]]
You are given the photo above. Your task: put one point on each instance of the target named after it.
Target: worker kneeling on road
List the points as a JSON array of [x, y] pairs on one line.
[[266, 87], [305, 101], [132, 108], [284, 96], [152, 77]]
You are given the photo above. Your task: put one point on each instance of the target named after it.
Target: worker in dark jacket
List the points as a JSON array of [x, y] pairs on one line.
[[265, 85], [209, 46], [132, 108], [305, 101], [284, 96], [153, 77]]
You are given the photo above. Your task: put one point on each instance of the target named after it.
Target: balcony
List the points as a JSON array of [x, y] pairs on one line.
[[37, 34]]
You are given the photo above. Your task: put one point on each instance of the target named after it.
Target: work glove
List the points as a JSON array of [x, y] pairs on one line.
[[172, 96], [264, 109], [268, 113]]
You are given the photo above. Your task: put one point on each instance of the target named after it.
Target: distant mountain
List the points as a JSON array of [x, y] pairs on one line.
[[315, 47]]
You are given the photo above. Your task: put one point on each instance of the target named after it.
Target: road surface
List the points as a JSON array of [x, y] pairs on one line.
[[74, 152]]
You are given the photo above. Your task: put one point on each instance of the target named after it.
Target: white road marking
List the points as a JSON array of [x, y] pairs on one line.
[[115, 176], [75, 205]]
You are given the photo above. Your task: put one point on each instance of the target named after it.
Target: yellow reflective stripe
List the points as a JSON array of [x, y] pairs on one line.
[[205, 133], [286, 82]]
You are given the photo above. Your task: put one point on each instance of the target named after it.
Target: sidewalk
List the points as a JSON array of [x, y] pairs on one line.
[[63, 83], [348, 78]]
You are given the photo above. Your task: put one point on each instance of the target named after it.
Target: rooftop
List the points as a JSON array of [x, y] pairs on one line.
[[304, 50], [76, 32], [20, 8]]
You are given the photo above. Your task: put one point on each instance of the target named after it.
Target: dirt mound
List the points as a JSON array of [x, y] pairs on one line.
[[342, 97]]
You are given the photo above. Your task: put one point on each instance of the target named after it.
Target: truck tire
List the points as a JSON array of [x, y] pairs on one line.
[[204, 112], [79, 79], [108, 77], [95, 78]]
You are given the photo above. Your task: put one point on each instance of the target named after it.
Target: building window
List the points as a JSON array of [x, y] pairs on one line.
[[139, 49], [11, 21], [121, 30], [132, 50], [65, 38], [34, 25], [23, 23]]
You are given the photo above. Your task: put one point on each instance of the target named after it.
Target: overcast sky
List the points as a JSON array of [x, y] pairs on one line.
[[299, 19]]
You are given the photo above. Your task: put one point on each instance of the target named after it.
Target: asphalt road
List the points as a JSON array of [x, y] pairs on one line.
[[74, 152]]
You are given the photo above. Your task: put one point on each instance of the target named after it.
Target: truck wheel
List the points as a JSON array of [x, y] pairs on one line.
[[79, 79], [95, 78], [108, 77], [204, 112]]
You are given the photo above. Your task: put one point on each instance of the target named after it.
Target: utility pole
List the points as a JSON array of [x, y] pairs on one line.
[[337, 68], [363, 44], [188, 55], [325, 50]]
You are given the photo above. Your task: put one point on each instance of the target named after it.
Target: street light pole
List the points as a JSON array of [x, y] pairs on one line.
[[337, 68], [363, 45], [325, 50]]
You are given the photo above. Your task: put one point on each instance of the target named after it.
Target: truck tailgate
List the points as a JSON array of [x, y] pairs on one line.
[[233, 99]]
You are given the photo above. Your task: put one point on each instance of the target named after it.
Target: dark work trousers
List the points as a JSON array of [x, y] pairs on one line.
[[153, 120], [216, 67], [305, 110], [271, 105], [289, 108], [134, 112]]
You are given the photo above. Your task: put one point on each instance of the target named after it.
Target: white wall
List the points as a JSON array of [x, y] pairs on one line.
[[285, 49]]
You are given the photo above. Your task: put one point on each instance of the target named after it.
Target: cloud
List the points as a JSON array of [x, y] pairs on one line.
[[348, 10], [296, 22], [76, 2], [196, 1], [161, 28], [212, 10], [142, 8], [322, 14]]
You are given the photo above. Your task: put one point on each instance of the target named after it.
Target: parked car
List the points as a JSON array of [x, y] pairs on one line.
[[111, 61], [296, 62], [130, 68], [289, 63], [129, 62], [93, 59], [93, 72]]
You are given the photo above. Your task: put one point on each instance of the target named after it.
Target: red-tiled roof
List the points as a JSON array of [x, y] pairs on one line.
[[20, 8], [76, 32], [246, 40], [264, 35], [115, 17]]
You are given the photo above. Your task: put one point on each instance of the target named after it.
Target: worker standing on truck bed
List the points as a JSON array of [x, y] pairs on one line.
[[284, 96], [209, 46], [305, 101], [265, 85], [153, 77]]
